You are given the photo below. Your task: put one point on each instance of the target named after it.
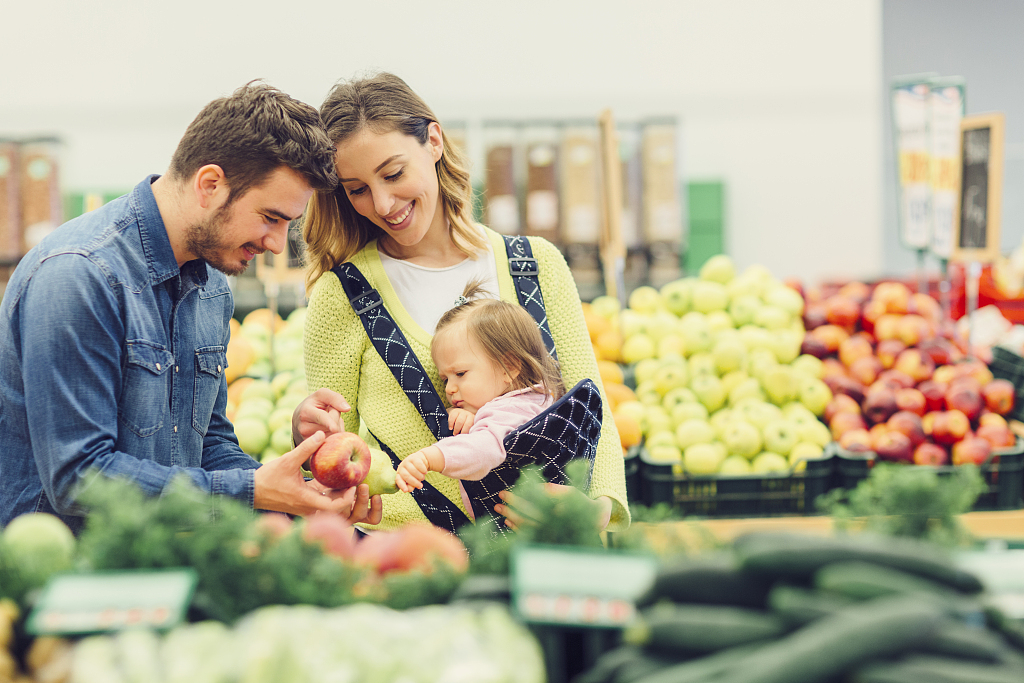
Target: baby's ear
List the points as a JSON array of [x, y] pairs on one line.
[[512, 368]]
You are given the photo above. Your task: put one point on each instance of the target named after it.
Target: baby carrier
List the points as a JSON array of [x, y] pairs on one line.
[[566, 430]]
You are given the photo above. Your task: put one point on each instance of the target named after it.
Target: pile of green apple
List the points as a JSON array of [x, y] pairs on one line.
[[721, 385]]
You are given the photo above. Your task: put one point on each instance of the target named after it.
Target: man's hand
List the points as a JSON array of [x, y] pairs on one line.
[[517, 512], [280, 486], [320, 411], [460, 420]]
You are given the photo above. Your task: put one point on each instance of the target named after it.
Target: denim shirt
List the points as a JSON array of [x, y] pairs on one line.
[[111, 357]]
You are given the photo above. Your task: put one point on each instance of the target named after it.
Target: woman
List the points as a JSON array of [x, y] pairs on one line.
[[402, 215]]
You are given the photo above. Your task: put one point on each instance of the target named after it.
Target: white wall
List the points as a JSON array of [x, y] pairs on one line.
[[779, 99]]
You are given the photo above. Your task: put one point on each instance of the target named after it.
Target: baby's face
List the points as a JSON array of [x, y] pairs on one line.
[[471, 378]]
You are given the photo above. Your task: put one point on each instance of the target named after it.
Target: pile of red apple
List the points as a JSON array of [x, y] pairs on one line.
[[902, 384]]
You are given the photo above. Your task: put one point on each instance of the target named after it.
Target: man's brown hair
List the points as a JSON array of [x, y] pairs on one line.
[[252, 133]]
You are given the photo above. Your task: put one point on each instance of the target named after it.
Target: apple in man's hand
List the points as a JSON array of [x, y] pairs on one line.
[[342, 461]]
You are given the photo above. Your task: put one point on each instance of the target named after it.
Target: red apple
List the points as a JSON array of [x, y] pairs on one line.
[[845, 422], [876, 433], [415, 546], [858, 291], [854, 348], [999, 395], [813, 346], [934, 394], [976, 369], [915, 363], [857, 440], [887, 327], [929, 453], [865, 369], [950, 426], [989, 418], [845, 385], [814, 316], [832, 335], [870, 313], [342, 461], [944, 374], [832, 366], [998, 437], [332, 531], [911, 400], [896, 296], [840, 403], [910, 425], [898, 376], [842, 311], [941, 351], [913, 329], [963, 397], [928, 421], [972, 449], [879, 405], [888, 350], [925, 306], [895, 446]]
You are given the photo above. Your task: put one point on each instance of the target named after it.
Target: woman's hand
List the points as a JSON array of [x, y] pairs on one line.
[[518, 512], [280, 486], [320, 411], [460, 420]]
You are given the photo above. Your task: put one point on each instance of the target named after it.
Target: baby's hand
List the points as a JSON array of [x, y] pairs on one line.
[[412, 471], [460, 420]]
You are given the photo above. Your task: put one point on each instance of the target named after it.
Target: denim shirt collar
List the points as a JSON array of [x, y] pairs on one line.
[[155, 243]]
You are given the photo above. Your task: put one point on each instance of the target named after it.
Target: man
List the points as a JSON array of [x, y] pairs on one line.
[[113, 329]]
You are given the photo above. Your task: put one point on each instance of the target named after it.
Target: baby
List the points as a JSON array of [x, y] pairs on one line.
[[497, 375]]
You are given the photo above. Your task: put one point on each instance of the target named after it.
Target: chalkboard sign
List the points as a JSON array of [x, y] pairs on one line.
[[980, 199]]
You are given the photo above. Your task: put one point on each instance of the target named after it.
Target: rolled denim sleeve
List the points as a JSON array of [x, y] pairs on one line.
[[72, 345]]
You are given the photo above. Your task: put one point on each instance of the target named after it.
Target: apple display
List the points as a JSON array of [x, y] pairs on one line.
[[708, 390], [988, 418], [853, 348], [676, 396], [719, 268], [840, 403], [972, 449], [645, 299], [842, 311], [734, 466], [856, 440], [812, 346], [814, 432], [831, 335], [769, 462], [908, 424], [897, 377], [912, 329], [894, 446], [844, 422], [999, 395], [911, 400], [998, 436], [845, 385], [879, 405], [671, 375], [804, 450], [694, 431], [866, 369], [815, 395], [915, 363], [708, 296], [341, 461], [965, 398], [934, 395], [742, 438], [780, 384], [702, 459], [932, 454], [808, 365], [950, 426], [887, 326], [888, 350], [675, 295]]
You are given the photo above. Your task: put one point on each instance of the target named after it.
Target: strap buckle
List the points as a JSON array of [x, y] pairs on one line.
[[372, 305], [530, 267]]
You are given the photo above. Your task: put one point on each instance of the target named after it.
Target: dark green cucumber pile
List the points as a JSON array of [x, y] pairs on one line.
[[789, 608]]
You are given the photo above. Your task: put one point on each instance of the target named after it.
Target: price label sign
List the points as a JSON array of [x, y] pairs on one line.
[[947, 104], [578, 587], [73, 604], [980, 186], [911, 128]]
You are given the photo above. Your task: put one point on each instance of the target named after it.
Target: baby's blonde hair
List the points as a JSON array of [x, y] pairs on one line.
[[508, 335]]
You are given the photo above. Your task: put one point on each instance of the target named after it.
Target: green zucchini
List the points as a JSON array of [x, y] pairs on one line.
[[701, 628], [956, 639], [623, 664], [702, 669], [832, 645], [923, 669], [800, 606], [715, 580], [866, 580], [799, 556]]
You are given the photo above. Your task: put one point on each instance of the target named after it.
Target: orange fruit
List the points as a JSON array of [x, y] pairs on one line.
[[629, 429], [236, 388], [618, 393], [240, 355], [610, 371], [609, 345]]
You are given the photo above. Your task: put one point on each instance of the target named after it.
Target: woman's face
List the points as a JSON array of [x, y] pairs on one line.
[[391, 179]]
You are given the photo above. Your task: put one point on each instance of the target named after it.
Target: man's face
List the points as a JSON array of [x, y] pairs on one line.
[[256, 222]]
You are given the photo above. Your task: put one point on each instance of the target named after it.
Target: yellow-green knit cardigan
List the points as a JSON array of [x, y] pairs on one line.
[[339, 356]]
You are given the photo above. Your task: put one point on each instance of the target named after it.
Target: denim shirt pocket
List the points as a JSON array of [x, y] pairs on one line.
[[210, 364], [145, 391]]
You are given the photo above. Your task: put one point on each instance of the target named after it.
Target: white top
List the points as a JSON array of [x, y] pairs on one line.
[[427, 293]]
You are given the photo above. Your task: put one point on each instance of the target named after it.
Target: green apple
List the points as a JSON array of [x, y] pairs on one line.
[[734, 466], [809, 366], [702, 363], [786, 298], [670, 346], [695, 331], [779, 436], [805, 450], [709, 296], [743, 308], [730, 354], [660, 437], [676, 396], [280, 383], [661, 324], [37, 545], [755, 337], [634, 409], [664, 454], [702, 459], [814, 394], [748, 388], [252, 433], [815, 432], [731, 380], [606, 306], [719, 322], [671, 375], [270, 454], [769, 462], [785, 344], [694, 431], [647, 394], [759, 273], [758, 413], [645, 299], [281, 438], [798, 413], [676, 295], [280, 417], [655, 419], [256, 407], [771, 317], [718, 268], [688, 411], [638, 347], [759, 362], [744, 285], [297, 315], [721, 420], [742, 438], [258, 388], [780, 384], [633, 322], [644, 370], [708, 390]]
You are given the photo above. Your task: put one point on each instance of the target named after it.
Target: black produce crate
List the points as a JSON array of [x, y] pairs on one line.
[[1008, 365], [631, 463], [749, 495], [1003, 474]]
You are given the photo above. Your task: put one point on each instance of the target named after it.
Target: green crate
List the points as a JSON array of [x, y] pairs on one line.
[[706, 201]]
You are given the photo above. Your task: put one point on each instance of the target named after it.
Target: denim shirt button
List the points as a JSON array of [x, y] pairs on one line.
[[218, 368], [175, 429], [158, 367]]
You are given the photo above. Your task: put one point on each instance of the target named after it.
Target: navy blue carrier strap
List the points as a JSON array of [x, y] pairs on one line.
[[524, 270]]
